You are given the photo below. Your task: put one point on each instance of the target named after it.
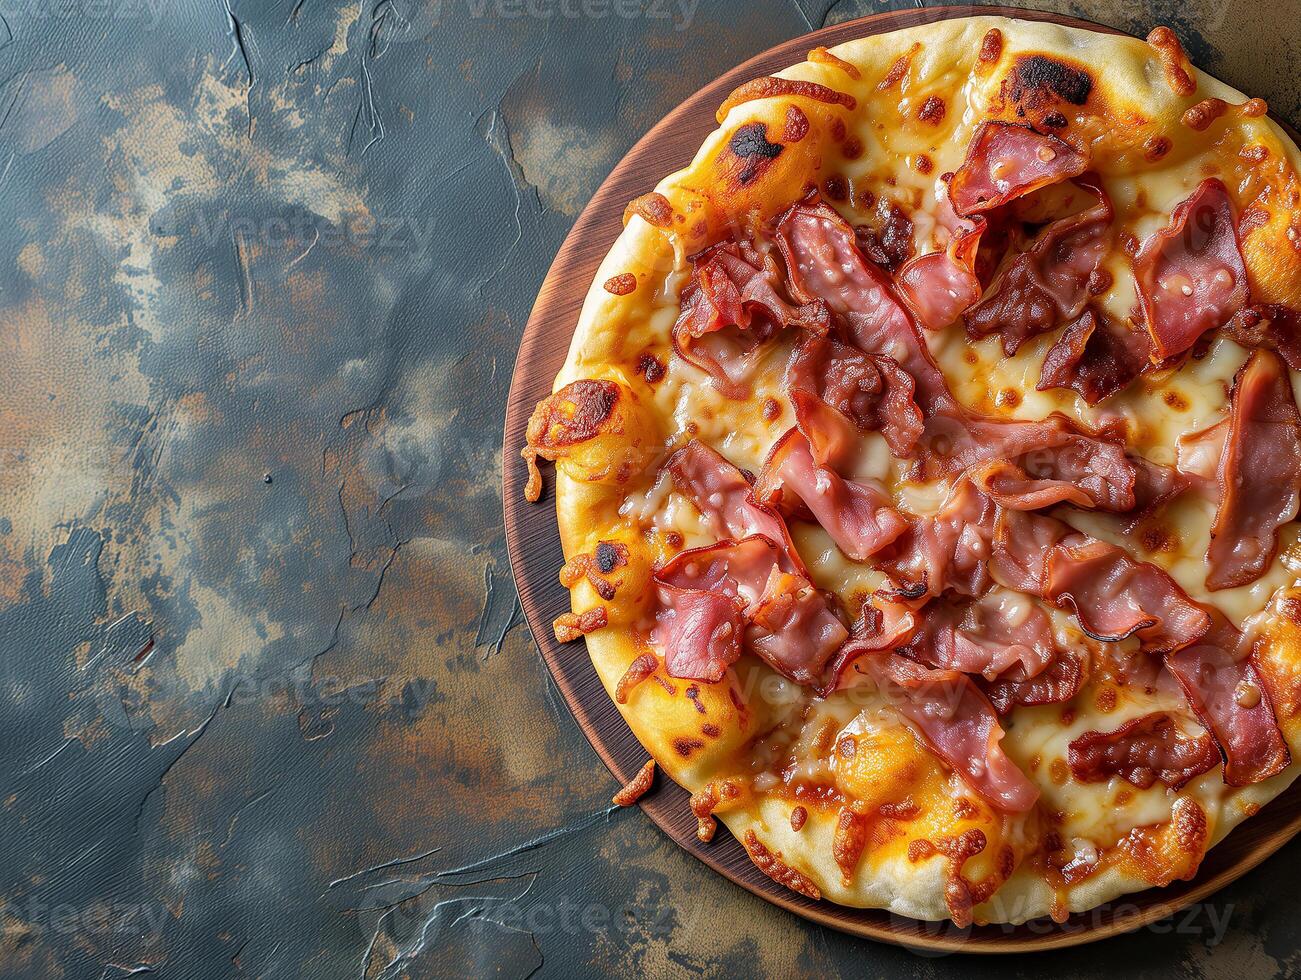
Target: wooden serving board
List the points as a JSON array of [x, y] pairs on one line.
[[533, 543]]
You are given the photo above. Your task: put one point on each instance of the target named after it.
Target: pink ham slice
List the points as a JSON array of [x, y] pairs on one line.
[[1095, 357], [1048, 284], [730, 307], [947, 551], [859, 517], [994, 634], [952, 717], [1115, 597], [824, 263], [786, 621], [1005, 161], [938, 286], [724, 497], [1221, 682], [838, 391], [1259, 473], [1190, 276]]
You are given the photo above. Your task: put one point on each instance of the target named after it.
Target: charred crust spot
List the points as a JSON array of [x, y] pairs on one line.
[[572, 415], [904, 809], [621, 285], [991, 46], [664, 683], [636, 787], [653, 208], [847, 747], [796, 126], [772, 409], [898, 69], [769, 86], [610, 556], [607, 557], [932, 110], [1176, 401], [640, 669], [570, 626], [852, 148], [1254, 154], [923, 164], [1174, 63], [1007, 398], [1105, 700], [836, 188], [822, 56], [798, 816], [772, 865], [750, 143], [838, 130], [1038, 75], [710, 730], [1055, 120], [1200, 116], [651, 368], [685, 747]]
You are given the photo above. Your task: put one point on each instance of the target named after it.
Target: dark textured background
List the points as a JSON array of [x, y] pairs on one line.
[[267, 706]]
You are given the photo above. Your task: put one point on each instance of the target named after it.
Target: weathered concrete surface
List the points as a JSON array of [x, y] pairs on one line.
[[263, 267]]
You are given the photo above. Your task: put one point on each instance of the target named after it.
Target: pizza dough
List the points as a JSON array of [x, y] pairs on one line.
[[927, 464]]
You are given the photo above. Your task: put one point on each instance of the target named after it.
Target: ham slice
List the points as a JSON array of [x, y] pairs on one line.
[[1048, 284], [1271, 327], [838, 391], [938, 286], [952, 717], [1115, 597], [1007, 160], [1259, 473], [786, 620], [1095, 357], [1221, 682], [990, 636], [1142, 751], [825, 263], [859, 517], [948, 550], [724, 497], [730, 307], [1190, 276]]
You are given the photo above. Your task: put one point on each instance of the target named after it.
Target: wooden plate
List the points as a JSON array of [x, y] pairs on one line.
[[533, 543]]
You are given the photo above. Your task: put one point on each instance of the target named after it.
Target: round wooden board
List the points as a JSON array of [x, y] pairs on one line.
[[533, 543]]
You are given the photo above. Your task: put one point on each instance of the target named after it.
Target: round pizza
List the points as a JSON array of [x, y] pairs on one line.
[[927, 462]]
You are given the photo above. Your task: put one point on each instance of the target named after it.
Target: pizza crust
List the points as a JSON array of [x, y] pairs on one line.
[[1130, 115]]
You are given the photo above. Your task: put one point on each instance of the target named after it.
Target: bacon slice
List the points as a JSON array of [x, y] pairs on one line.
[[953, 718], [1115, 597], [722, 494], [837, 390], [1142, 751], [1259, 473], [1057, 683], [1190, 276], [1269, 327], [1022, 543], [730, 306], [1006, 160], [1095, 357], [859, 516], [1048, 284], [1222, 685], [794, 629]]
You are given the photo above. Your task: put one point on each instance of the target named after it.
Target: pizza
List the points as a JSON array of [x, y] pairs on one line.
[[927, 461]]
